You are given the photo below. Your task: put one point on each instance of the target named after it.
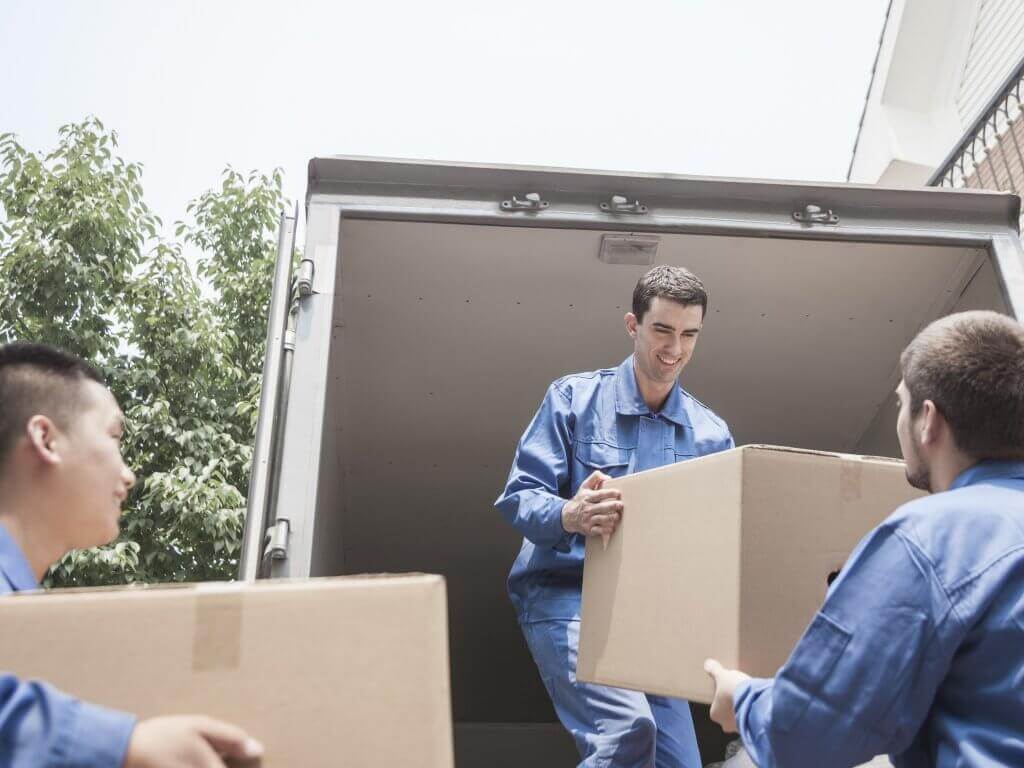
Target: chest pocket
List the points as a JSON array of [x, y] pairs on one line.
[[683, 445], [610, 459]]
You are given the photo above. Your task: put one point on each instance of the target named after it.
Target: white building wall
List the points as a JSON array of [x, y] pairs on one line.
[[911, 119], [997, 47]]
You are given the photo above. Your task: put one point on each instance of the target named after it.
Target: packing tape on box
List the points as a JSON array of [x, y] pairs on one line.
[[217, 638], [850, 471]]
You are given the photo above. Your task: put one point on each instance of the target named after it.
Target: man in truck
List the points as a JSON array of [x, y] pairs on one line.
[[591, 427], [918, 650], [62, 483]]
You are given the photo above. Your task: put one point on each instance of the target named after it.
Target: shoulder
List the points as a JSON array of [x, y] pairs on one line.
[[701, 415], [963, 532], [576, 386]]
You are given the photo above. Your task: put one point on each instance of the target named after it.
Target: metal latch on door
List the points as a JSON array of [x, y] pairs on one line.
[[815, 214], [531, 201]]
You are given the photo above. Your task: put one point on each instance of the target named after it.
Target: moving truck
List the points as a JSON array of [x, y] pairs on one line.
[[434, 303]]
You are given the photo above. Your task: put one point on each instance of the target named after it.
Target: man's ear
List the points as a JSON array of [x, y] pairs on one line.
[[630, 319], [42, 437], [931, 423]]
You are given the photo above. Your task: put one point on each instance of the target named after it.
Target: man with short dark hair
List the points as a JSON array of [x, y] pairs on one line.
[[918, 650], [592, 427], [62, 483]]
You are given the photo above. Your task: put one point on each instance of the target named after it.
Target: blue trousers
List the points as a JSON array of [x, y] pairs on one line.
[[613, 728]]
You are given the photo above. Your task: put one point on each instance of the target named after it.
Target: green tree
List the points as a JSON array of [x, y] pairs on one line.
[[82, 266]]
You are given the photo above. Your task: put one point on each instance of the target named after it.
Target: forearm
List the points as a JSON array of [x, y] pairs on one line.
[[537, 515], [40, 726]]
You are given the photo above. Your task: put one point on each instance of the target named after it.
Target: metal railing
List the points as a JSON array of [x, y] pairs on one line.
[[989, 155]]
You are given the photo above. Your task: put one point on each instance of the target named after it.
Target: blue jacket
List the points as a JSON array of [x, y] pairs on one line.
[[918, 650], [588, 421], [41, 727]]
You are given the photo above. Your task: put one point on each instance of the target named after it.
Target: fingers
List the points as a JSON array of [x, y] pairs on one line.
[[208, 758], [602, 524], [596, 479], [713, 668], [725, 680], [593, 497], [228, 740], [609, 507]]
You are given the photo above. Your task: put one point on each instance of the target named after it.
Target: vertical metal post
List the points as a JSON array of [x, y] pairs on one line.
[[259, 501]]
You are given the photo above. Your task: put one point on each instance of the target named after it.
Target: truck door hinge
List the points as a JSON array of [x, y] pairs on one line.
[[621, 204], [815, 214], [277, 541], [304, 280], [531, 201]]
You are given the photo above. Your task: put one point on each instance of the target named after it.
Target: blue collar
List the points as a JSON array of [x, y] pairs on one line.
[[13, 565], [987, 470], [629, 402]]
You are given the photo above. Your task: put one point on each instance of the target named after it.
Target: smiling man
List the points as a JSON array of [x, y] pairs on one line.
[[62, 484], [591, 427], [918, 650]]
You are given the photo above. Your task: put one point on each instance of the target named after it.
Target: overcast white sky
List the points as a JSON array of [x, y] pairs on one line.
[[754, 88]]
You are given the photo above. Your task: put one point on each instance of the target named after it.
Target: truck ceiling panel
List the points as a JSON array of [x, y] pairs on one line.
[[799, 347]]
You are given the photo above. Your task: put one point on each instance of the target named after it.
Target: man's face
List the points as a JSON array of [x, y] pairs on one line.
[[92, 477], [664, 340], [918, 471]]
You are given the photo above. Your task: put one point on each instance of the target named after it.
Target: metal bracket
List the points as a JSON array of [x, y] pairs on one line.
[[621, 204], [277, 540], [815, 214], [304, 282], [529, 202]]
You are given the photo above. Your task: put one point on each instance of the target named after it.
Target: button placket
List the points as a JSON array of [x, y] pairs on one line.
[[650, 440]]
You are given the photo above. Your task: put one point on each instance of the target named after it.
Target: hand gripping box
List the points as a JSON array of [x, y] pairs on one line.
[[346, 671], [725, 556]]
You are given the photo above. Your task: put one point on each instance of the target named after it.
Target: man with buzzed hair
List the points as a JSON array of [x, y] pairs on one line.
[[62, 484], [592, 427], [918, 650]]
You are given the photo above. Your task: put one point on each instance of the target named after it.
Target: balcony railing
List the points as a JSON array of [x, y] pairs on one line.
[[990, 154]]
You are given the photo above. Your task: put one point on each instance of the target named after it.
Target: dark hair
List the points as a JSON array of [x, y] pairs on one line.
[[971, 365], [675, 283], [38, 379]]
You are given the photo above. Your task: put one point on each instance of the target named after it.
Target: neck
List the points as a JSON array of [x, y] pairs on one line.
[[946, 467], [29, 532], [654, 393]]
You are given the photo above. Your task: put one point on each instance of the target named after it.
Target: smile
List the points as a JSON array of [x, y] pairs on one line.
[[670, 361]]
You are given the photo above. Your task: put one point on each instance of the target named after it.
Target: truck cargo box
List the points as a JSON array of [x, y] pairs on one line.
[[330, 672], [435, 303], [727, 556]]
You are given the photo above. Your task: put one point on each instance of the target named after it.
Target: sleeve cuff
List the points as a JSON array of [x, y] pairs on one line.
[[751, 719], [96, 736], [562, 537]]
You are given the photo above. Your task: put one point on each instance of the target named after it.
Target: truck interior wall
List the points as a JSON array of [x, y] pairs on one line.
[[982, 291], [446, 337]]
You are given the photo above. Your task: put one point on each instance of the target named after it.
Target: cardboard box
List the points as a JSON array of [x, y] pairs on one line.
[[327, 672], [725, 556]]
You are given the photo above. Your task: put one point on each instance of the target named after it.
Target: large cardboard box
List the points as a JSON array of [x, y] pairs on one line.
[[327, 672], [725, 556]]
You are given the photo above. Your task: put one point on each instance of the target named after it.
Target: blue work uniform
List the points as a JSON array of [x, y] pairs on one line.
[[595, 421], [41, 727], [918, 650]]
